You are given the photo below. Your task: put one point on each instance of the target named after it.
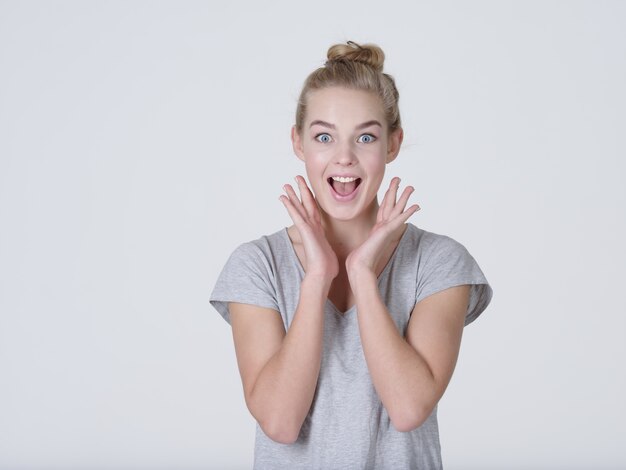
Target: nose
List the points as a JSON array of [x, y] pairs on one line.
[[346, 155]]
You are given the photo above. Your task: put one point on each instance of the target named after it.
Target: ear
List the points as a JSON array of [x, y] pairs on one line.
[[394, 143], [296, 142]]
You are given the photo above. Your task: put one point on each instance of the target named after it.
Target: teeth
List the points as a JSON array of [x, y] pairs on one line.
[[343, 180]]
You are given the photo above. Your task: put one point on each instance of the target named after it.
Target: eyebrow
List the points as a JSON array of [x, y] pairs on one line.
[[319, 122]]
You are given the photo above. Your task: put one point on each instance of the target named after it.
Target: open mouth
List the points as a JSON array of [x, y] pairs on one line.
[[344, 189]]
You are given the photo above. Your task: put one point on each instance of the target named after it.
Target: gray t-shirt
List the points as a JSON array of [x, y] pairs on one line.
[[347, 426]]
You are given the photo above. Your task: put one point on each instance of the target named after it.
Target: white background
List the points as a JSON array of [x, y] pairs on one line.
[[141, 142]]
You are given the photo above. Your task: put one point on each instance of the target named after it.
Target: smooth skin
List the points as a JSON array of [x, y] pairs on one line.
[[279, 369]]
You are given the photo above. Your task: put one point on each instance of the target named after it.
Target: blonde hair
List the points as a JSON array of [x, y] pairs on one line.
[[357, 67]]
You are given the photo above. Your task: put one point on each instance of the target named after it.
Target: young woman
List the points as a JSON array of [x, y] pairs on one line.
[[347, 325]]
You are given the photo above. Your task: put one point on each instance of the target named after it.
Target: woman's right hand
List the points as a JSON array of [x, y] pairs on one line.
[[321, 260]]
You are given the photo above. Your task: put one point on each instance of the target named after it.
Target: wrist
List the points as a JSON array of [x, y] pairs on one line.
[[359, 275], [317, 282]]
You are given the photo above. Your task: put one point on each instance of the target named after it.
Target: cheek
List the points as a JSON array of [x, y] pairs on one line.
[[376, 174], [376, 167], [314, 173], [311, 170], [314, 165]]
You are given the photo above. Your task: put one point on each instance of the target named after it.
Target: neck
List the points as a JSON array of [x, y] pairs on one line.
[[346, 235]]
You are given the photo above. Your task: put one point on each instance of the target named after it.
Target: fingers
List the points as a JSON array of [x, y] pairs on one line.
[[307, 198], [295, 201], [389, 200], [293, 212], [300, 212], [398, 217], [401, 204], [408, 213], [390, 209]]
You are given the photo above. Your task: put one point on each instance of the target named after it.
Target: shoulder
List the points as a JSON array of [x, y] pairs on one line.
[[249, 276], [262, 246], [431, 245], [265, 255], [445, 262]]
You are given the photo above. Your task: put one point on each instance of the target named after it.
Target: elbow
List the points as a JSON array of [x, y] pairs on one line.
[[411, 419], [280, 432], [278, 428]]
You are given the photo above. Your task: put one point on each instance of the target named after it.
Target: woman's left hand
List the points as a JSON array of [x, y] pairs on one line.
[[389, 222]]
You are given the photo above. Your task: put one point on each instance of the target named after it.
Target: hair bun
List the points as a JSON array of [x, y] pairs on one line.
[[369, 54]]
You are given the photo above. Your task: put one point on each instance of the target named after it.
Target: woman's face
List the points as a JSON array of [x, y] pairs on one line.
[[344, 134]]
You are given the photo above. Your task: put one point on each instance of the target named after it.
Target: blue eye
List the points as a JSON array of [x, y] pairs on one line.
[[324, 141], [370, 136]]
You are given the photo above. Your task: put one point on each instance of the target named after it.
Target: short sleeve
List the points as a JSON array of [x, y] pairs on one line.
[[447, 265], [247, 278]]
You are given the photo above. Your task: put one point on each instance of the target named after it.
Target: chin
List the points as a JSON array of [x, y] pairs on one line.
[[342, 213]]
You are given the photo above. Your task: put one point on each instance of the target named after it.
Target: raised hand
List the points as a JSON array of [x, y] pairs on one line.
[[321, 260], [389, 222]]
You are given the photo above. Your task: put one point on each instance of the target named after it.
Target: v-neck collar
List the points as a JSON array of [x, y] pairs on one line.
[[382, 275]]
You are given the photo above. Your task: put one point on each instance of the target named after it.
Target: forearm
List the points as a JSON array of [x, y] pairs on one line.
[[284, 390], [401, 376]]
